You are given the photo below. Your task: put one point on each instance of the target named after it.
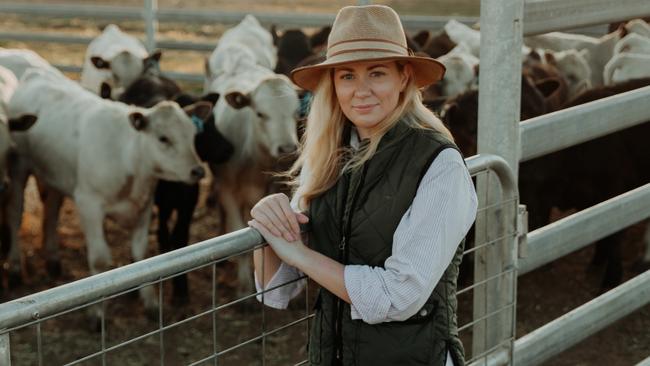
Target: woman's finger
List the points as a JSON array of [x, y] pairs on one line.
[[285, 222], [290, 216], [269, 222]]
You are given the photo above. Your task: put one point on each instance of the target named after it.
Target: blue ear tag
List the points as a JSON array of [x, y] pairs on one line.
[[198, 123]]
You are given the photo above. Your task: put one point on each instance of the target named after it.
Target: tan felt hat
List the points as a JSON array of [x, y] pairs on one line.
[[366, 33]]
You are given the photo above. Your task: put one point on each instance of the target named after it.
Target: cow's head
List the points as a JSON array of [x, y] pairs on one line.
[[124, 68], [574, 67], [275, 105], [168, 139]]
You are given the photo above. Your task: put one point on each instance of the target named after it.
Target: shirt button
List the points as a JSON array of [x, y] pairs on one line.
[[423, 312]]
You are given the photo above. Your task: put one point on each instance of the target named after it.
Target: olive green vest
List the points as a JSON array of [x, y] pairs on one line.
[[353, 223]]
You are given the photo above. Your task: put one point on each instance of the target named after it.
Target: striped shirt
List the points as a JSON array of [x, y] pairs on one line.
[[424, 244]]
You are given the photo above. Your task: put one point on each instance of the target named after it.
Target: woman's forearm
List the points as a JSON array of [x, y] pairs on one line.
[[266, 264], [324, 270]]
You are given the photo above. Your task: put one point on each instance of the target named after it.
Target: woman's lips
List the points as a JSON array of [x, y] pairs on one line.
[[364, 108]]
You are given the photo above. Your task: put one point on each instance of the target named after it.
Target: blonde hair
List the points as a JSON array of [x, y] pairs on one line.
[[323, 150]]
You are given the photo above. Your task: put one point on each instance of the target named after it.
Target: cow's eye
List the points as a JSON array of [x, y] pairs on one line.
[[261, 115], [164, 140]]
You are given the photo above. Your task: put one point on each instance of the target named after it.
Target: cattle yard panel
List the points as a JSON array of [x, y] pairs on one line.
[[98, 290], [645, 362], [544, 16]]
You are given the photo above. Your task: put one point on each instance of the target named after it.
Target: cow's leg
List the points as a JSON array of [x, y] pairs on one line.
[[52, 200], [139, 242], [19, 172], [612, 252], [234, 222], [181, 238], [92, 215]]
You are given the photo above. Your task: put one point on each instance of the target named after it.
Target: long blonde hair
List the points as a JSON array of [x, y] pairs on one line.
[[323, 150]]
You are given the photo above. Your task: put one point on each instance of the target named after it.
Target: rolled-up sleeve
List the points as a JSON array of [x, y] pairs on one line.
[[424, 244]]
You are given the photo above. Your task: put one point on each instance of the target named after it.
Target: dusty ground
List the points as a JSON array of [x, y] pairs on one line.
[[543, 295]]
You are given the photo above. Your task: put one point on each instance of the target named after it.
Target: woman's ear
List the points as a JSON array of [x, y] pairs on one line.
[[407, 72]]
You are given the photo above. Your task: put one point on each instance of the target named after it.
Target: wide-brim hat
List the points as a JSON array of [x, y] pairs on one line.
[[368, 33]]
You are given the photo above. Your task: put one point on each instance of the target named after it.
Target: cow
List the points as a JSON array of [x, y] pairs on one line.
[[626, 66], [600, 49], [113, 61], [438, 44], [211, 147], [633, 43], [19, 60], [571, 65], [459, 32], [461, 70], [104, 154], [293, 46]]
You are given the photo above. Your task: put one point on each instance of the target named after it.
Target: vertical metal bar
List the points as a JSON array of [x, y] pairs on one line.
[[103, 337], [214, 313], [498, 133], [263, 308], [5, 349], [364, 2], [39, 344], [161, 323], [151, 23]]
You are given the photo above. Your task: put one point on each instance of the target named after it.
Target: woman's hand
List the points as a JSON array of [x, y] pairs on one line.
[[275, 214], [288, 251]]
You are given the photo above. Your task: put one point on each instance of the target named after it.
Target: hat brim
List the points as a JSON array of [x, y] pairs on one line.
[[426, 70]]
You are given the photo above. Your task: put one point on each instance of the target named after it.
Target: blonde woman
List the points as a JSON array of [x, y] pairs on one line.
[[388, 200]]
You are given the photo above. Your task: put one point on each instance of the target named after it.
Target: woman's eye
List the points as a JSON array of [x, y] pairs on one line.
[[377, 74], [165, 140], [347, 77]]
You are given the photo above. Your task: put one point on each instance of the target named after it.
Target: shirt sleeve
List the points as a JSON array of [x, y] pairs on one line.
[[424, 244]]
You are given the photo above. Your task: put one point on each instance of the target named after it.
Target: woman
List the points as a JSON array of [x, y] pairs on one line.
[[388, 198]]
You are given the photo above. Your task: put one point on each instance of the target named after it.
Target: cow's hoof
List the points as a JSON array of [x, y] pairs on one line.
[[54, 268]]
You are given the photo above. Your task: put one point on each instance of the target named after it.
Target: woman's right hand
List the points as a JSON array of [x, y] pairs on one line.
[[277, 216]]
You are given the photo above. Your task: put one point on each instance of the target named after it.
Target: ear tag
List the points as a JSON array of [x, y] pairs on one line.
[[198, 123]]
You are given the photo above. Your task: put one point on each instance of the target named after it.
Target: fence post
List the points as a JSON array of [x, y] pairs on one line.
[[498, 133], [151, 23], [5, 350]]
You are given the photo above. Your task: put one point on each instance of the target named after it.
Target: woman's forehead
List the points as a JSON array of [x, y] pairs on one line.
[[365, 65]]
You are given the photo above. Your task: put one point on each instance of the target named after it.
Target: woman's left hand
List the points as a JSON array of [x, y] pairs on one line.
[[289, 252]]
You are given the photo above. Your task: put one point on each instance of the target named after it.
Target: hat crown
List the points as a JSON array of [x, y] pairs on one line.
[[354, 26]]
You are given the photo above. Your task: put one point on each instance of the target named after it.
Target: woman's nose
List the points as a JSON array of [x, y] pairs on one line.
[[362, 88]]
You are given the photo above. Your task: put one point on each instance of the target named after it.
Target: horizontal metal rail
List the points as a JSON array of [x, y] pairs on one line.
[[580, 323], [573, 327], [571, 233], [645, 362], [207, 16], [558, 130], [58, 299], [542, 16], [69, 39], [195, 78], [498, 165]]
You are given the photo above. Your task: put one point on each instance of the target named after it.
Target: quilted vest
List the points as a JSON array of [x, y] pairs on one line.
[[353, 222]]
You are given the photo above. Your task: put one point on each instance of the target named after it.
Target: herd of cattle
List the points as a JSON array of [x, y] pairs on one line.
[[126, 138]]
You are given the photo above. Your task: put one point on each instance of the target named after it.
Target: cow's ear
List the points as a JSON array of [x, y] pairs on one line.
[[200, 109], [211, 97], [100, 63], [105, 91], [238, 100], [138, 120], [22, 123], [155, 56], [550, 59], [274, 33], [421, 38]]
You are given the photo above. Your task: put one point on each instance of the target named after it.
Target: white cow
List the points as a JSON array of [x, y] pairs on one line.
[[239, 48], [633, 43], [461, 70], [461, 33], [638, 26], [600, 49], [106, 155], [257, 115], [19, 60], [625, 66], [574, 67], [113, 61]]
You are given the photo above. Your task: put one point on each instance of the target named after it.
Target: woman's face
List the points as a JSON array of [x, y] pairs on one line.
[[368, 91]]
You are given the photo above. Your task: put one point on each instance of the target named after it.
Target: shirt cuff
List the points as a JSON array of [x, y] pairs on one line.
[[365, 292], [279, 298]]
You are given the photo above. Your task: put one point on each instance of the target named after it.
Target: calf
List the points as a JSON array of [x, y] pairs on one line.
[[113, 61], [106, 155], [633, 43], [19, 60], [170, 196], [626, 66]]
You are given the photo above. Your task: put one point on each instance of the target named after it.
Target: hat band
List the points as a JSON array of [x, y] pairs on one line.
[[366, 44], [366, 50]]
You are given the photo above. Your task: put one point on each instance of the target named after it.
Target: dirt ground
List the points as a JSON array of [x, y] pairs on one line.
[[543, 295]]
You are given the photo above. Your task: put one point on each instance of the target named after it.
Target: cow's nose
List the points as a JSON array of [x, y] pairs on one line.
[[197, 173], [287, 149]]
